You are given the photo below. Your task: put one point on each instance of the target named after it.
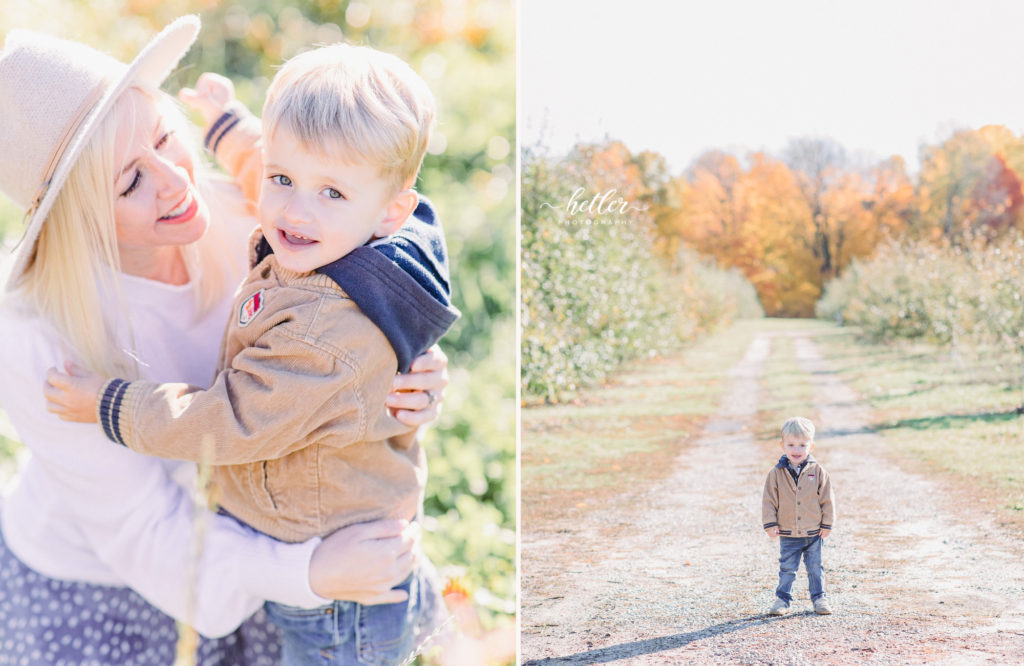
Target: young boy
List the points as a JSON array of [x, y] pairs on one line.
[[295, 421], [798, 507]]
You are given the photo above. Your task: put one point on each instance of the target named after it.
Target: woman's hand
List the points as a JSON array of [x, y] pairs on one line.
[[363, 562], [416, 397], [73, 396]]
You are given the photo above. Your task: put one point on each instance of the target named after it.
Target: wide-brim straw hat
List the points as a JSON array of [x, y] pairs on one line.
[[53, 95]]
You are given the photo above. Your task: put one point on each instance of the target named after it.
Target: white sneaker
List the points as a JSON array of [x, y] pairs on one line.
[[780, 607], [822, 607]]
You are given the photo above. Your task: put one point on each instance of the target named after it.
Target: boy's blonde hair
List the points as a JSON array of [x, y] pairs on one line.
[[799, 426], [75, 260], [356, 104]]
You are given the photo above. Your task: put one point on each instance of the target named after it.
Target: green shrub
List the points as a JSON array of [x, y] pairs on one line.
[[595, 290], [966, 294]]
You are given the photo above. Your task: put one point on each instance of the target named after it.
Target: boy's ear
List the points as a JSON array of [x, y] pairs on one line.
[[398, 211]]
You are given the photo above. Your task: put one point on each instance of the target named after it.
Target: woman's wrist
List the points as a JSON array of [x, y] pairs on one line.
[[286, 575]]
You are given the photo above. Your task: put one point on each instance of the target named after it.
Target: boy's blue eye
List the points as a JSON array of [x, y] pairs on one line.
[[281, 180], [333, 193]]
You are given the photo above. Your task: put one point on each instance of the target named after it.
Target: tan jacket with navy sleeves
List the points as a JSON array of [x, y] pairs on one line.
[[799, 508], [295, 421]]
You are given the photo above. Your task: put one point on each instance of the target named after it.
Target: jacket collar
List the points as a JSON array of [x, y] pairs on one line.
[[402, 286], [784, 461]]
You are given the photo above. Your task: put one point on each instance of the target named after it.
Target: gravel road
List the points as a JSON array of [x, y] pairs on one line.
[[679, 571]]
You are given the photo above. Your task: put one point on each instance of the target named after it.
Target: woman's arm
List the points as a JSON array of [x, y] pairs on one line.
[[143, 526]]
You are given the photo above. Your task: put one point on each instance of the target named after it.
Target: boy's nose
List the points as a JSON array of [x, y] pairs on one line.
[[296, 211]]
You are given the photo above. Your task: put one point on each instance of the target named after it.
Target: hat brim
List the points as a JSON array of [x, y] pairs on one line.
[[150, 67]]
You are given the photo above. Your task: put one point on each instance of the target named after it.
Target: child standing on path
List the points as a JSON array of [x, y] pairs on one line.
[[799, 508], [295, 421]]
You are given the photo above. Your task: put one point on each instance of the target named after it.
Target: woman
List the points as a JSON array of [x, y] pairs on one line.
[[129, 268]]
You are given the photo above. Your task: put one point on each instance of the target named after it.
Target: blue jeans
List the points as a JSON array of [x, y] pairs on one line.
[[345, 632], [790, 549]]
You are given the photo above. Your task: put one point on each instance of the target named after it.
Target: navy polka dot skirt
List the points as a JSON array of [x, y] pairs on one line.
[[45, 621]]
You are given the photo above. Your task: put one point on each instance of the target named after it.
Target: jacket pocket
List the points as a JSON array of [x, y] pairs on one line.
[[259, 485]]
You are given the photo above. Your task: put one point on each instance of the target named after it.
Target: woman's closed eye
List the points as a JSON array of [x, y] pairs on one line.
[[137, 178], [163, 140]]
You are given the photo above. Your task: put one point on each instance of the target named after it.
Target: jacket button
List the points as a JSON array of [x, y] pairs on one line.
[[798, 503]]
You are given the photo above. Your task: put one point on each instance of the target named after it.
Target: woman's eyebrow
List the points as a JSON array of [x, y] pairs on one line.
[[127, 168], [158, 129]]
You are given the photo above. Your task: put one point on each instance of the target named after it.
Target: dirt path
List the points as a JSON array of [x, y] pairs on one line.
[[680, 572]]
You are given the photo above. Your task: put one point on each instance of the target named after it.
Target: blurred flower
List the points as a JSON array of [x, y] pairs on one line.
[[470, 643]]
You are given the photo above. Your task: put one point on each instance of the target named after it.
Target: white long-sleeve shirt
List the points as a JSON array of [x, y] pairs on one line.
[[86, 509]]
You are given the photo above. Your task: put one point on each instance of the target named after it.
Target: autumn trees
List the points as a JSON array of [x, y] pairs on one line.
[[934, 253], [792, 223]]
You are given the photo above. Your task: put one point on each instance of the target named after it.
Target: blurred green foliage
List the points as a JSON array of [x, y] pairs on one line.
[[965, 296], [465, 52]]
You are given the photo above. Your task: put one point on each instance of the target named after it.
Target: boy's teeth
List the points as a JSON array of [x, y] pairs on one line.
[[297, 239]]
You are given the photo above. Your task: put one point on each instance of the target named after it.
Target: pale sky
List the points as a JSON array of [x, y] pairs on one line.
[[880, 77]]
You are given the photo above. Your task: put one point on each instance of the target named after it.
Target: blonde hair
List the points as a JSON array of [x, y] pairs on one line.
[[798, 426], [75, 260], [357, 104]]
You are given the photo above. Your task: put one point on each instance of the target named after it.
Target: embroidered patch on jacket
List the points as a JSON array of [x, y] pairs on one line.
[[250, 308], [810, 476]]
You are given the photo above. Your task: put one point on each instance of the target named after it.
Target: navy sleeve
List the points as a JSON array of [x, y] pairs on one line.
[[402, 284]]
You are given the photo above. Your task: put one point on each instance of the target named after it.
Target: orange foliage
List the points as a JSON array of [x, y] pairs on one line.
[[790, 225], [790, 229], [997, 198], [970, 184]]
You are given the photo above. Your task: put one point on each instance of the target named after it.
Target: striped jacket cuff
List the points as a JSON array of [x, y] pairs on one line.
[[219, 128], [767, 525], [826, 527], [109, 409]]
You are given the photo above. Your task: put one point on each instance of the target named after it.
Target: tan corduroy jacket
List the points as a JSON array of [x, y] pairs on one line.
[[800, 508], [295, 420]]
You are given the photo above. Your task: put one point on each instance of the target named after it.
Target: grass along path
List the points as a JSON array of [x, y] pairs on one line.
[[951, 416], [673, 566]]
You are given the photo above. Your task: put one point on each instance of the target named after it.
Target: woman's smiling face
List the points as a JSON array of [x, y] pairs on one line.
[[155, 199]]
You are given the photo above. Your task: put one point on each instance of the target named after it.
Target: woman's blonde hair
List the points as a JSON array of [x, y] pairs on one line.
[[75, 262]]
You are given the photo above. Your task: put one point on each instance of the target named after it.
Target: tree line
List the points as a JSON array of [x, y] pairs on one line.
[[792, 222]]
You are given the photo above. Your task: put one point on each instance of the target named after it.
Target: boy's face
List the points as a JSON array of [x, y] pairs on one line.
[[314, 210], [797, 448]]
